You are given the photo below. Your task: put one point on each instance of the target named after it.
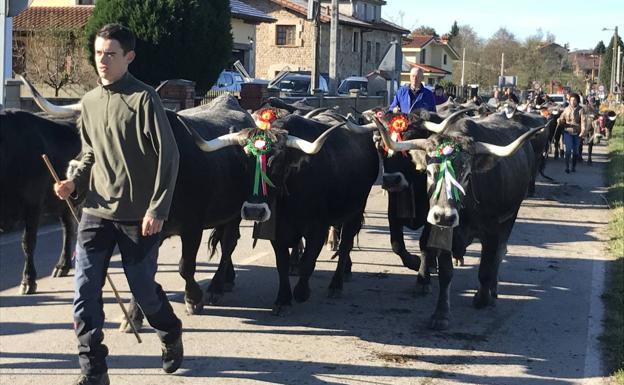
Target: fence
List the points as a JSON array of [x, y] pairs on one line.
[[213, 94]]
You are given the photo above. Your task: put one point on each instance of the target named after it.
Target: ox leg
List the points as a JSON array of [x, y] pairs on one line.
[[69, 240], [29, 243], [295, 258], [284, 294], [136, 316], [224, 276], [314, 245], [492, 253], [423, 279], [397, 241], [348, 233], [440, 317], [193, 296]]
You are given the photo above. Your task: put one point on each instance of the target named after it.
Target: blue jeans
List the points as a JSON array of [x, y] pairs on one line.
[[97, 238], [572, 143]]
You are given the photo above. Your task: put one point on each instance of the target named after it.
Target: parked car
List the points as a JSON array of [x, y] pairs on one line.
[[298, 84], [228, 81], [558, 99], [358, 83]]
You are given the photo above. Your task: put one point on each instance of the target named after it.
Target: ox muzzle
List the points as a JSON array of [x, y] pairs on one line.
[[257, 212], [393, 182], [443, 216]]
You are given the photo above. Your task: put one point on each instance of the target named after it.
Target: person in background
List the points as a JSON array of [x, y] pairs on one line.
[[439, 96], [510, 96], [572, 120], [413, 95]]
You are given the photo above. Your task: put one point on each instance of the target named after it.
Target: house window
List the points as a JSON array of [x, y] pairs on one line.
[[340, 39], [356, 41], [369, 51], [444, 59], [366, 12], [423, 54], [430, 81], [377, 52], [86, 2], [285, 35]]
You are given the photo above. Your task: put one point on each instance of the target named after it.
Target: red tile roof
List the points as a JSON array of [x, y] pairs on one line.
[[52, 17], [427, 69], [417, 41]]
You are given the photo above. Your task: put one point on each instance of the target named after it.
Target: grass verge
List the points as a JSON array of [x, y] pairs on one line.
[[613, 337]]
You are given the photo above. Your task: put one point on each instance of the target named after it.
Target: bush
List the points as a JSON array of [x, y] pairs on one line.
[[176, 39]]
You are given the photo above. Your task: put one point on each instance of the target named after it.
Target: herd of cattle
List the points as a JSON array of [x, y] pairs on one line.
[[460, 173]]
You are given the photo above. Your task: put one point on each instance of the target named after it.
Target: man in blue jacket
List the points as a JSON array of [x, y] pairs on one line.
[[414, 95]]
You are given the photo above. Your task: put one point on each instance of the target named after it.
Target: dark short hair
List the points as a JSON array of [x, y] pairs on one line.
[[438, 87], [575, 95], [116, 31]]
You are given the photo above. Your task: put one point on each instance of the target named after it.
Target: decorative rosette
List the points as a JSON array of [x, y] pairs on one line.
[[445, 153], [398, 124], [259, 145], [265, 117]]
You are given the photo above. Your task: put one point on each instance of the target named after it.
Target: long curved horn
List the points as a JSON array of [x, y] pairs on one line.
[[161, 85], [502, 151], [440, 127], [307, 147], [52, 109], [359, 129], [233, 139], [414, 144], [316, 111]]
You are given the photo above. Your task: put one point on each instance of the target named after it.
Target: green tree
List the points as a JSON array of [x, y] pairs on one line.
[[454, 30], [188, 39], [600, 48], [607, 59]]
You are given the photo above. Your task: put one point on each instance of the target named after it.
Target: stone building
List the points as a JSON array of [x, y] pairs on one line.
[[431, 54], [288, 44]]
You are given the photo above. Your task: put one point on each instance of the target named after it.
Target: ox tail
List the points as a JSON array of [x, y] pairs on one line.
[[215, 237]]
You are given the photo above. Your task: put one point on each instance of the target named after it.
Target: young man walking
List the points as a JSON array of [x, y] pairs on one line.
[[128, 170]]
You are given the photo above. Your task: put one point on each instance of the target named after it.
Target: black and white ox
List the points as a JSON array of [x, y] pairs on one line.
[[478, 173], [26, 185]]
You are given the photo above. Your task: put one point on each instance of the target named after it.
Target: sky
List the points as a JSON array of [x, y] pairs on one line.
[[578, 23]]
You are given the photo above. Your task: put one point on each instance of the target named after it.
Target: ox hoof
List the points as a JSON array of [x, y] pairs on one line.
[[28, 288], [423, 289], [281, 310], [483, 299], [459, 261], [438, 322], [228, 287], [214, 298], [293, 271], [60, 271], [301, 293], [125, 327], [194, 308], [334, 293]]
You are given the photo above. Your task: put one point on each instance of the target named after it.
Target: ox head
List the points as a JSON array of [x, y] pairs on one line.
[[267, 148], [449, 157]]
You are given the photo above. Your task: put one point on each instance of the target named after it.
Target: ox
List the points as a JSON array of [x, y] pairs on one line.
[[26, 185], [478, 173]]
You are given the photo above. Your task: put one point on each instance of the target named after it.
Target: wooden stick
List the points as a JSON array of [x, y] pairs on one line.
[[110, 281]]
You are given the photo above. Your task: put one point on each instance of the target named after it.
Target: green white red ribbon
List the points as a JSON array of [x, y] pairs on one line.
[[446, 152], [259, 145]]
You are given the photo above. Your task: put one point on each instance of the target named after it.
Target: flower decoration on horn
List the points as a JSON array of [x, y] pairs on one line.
[[259, 145], [445, 153], [265, 118], [398, 124]]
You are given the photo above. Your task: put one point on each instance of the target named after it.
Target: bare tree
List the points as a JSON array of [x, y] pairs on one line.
[[55, 57]]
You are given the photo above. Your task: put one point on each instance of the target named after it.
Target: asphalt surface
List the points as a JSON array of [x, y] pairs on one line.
[[543, 329]]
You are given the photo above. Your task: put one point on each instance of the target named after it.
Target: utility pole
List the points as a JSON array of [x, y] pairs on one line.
[[463, 64], [614, 60], [502, 64], [617, 74], [316, 15], [333, 48]]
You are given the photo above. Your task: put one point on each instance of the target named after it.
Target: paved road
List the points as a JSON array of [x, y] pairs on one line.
[[542, 331]]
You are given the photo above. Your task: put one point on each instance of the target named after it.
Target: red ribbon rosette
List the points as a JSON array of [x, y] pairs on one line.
[[398, 124], [265, 117]]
